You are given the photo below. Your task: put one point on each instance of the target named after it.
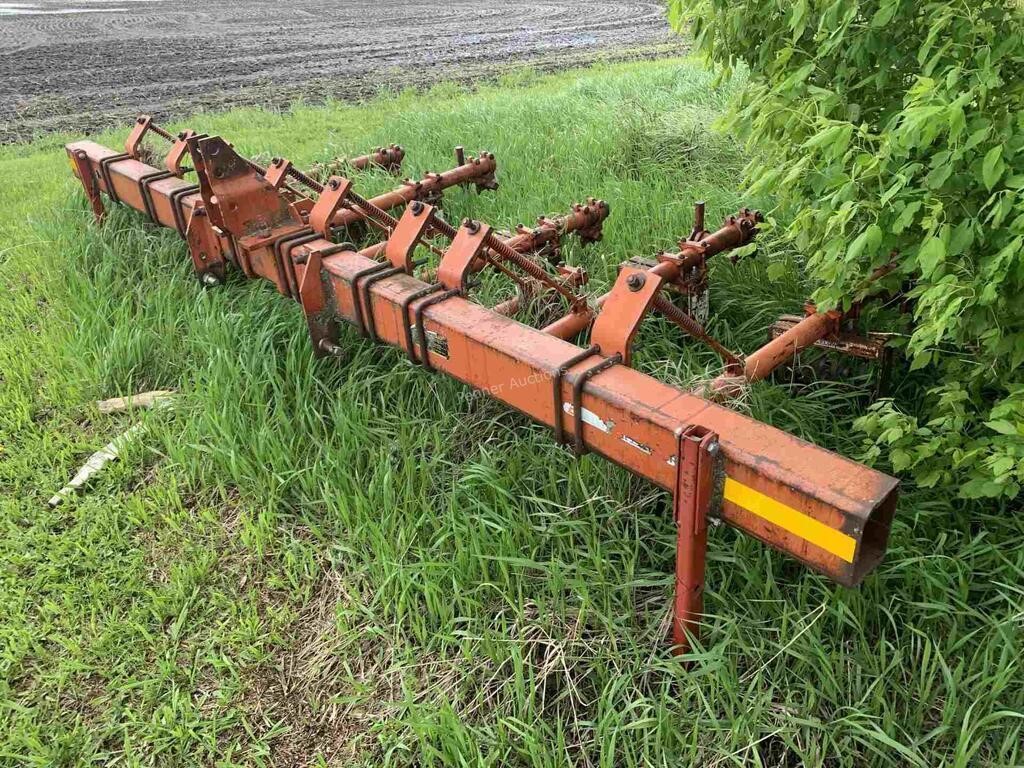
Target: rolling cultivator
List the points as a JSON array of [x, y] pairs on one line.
[[292, 228]]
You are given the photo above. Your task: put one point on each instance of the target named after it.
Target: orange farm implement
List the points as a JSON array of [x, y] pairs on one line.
[[286, 226]]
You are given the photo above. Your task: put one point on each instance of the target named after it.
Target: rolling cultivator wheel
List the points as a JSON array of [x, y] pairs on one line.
[[289, 227]]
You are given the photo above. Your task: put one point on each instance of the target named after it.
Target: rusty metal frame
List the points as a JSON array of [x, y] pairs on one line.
[[828, 512], [83, 169], [640, 283], [694, 503]]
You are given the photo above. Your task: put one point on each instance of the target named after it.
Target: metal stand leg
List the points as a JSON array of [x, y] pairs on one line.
[[92, 189], [323, 329], [698, 450], [204, 247]]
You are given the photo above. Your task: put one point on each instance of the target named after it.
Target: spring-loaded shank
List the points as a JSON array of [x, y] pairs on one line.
[[829, 513]]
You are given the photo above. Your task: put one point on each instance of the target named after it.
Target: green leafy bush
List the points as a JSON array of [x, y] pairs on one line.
[[894, 130]]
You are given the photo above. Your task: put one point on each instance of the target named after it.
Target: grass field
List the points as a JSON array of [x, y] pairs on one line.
[[307, 563]]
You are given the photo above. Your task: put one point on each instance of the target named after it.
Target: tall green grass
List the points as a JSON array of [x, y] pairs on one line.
[[307, 563]]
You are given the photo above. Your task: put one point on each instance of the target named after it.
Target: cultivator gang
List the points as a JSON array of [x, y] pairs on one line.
[[291, 228]]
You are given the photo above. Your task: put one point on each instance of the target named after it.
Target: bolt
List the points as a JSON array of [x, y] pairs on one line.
[[141, 120], [334, 184], [330, 348], [713, 449], [277, 161], [635, 281], [210, 279], [417, 207], [301, 258]]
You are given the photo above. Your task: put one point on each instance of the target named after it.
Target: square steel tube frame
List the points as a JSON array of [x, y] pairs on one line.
[[826, 511], [124, 176], [830, 513]]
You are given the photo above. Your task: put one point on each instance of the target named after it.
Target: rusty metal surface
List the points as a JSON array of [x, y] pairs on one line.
[[636, 421], [478, 171], [466, 246], [335, 191], [801, 335], [256, 209], [387, 158], [408, 234], [640, 284], [783, 347], [585, 220], [617, 324], [869, 347], [695, 503], [829, 513]]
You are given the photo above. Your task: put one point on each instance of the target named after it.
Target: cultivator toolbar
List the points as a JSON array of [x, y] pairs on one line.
[[288, 227]]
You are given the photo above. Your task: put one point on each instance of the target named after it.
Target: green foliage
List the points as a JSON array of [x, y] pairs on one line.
[[893, 130]]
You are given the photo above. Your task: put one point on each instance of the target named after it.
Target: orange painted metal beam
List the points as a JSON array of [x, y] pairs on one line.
[[172, 200], [826, 511]]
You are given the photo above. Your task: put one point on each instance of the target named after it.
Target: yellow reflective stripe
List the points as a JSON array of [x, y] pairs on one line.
[[789, 519]]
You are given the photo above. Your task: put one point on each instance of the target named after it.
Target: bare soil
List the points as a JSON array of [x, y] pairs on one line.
[[88, 64]]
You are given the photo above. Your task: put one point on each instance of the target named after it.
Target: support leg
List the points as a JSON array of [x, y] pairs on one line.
[[84, 170], [205, 249], [323, 329], [698, 450]]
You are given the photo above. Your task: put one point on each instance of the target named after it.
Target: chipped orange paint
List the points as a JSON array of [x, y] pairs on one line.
[[783, 489]]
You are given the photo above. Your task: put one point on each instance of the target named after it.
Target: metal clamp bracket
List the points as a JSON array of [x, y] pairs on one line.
[[133, 143], [178, 152], [369, 282], [423, 305], [357, 304], [147, 198], [624, 310], [468, 244], [108, 182], [205, 248], [557, 378], [321, 217], [408, 233], [579, 448], [406, 325], [177, 198]]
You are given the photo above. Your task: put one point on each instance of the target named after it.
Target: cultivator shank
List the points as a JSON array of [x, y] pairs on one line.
[[287, 227]]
